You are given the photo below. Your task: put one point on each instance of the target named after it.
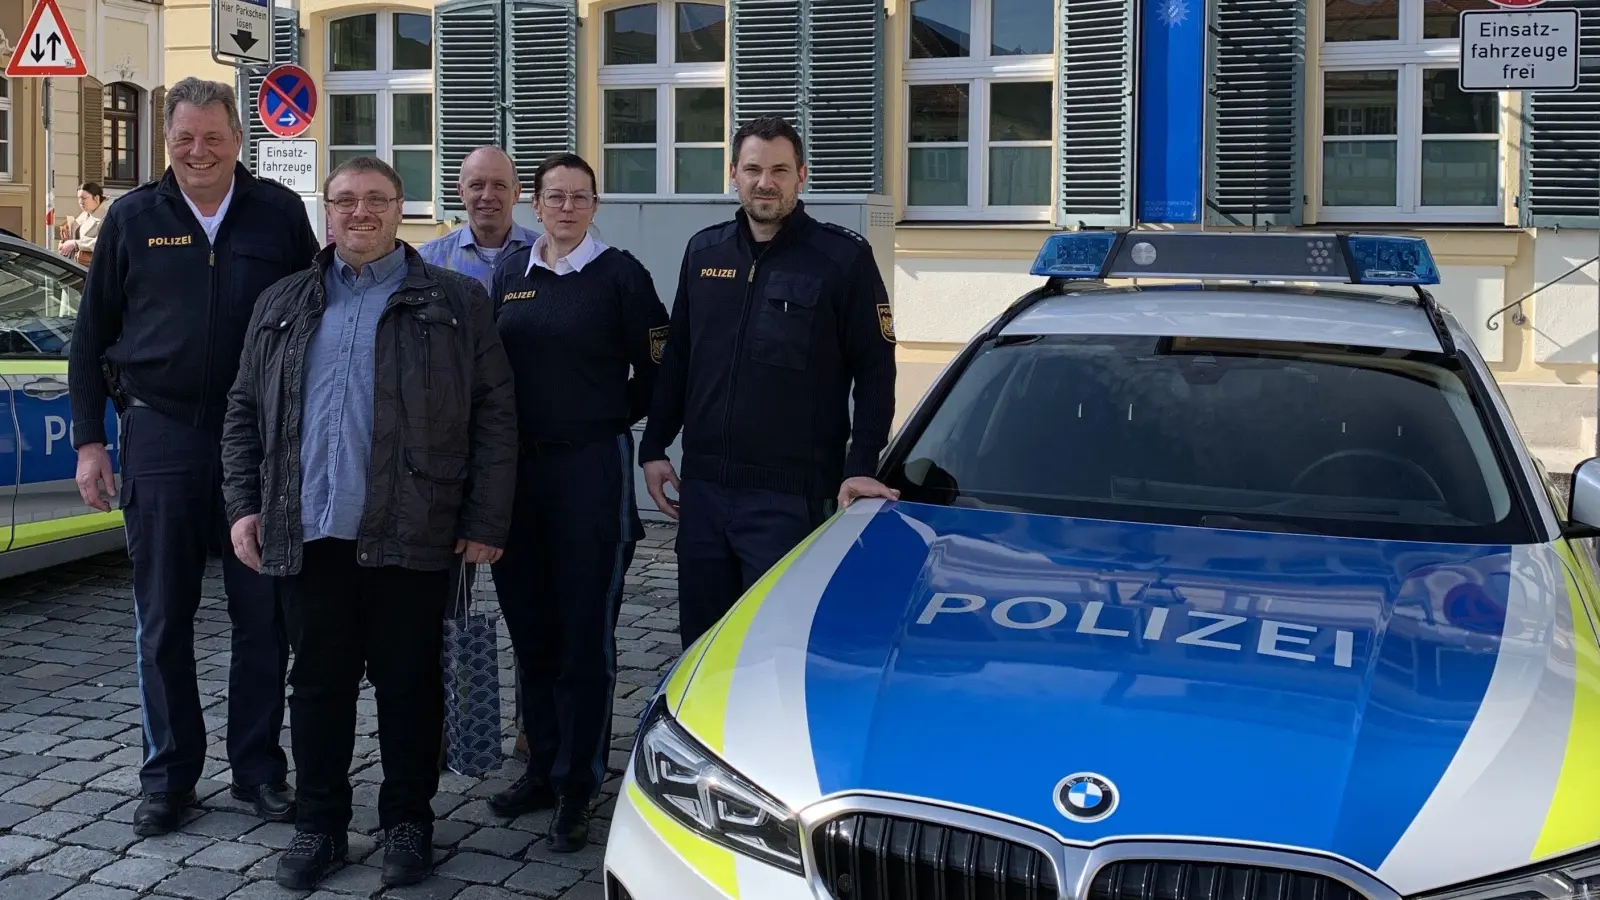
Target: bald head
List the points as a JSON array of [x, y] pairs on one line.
[[490, 191]]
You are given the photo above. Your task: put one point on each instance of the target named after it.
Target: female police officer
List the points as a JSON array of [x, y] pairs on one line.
[[574, 315]]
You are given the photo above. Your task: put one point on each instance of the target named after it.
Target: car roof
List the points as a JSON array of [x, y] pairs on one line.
[[1236, 312]]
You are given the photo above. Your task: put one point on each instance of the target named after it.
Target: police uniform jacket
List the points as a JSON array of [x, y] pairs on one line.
[[762, 353], [167, 309]]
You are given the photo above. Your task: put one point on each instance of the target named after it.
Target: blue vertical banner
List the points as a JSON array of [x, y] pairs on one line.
[[1172, 77]]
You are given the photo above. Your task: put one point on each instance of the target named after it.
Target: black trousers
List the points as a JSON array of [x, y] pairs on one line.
[[346, 619], [574, 528], [727, 539], [171, 501]]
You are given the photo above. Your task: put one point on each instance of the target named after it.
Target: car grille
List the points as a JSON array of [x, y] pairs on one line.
[[863, 856], [1178, 880]]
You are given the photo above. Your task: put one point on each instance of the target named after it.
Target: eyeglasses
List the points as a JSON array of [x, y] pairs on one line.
[[558, 199], [374, 203]]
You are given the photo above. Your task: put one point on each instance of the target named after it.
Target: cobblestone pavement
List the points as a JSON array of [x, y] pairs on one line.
[[70, 750]]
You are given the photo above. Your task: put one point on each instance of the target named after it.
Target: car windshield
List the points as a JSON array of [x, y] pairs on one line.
[[38, 304], [1218, 433]]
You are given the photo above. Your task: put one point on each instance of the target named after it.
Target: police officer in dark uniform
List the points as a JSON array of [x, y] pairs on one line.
[[575, 316], [777, 315], [175, 276]]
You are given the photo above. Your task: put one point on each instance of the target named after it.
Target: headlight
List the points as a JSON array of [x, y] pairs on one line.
[[1574, 878], [706, 796]]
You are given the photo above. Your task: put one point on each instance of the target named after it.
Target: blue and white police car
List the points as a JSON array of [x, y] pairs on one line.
[[43, 522], [1230, 586]]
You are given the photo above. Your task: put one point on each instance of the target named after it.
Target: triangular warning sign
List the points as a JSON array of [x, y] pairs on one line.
[[46, 47]]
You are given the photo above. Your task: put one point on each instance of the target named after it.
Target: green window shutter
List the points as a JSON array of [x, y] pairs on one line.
[[843, 90], [468, 88], [285, 51], [1255, 74], [543, 84], [819, 64], [1561, 141], [1095, 64], [766, 41]]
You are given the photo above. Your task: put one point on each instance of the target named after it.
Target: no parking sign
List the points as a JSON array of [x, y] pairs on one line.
[[287, 101]]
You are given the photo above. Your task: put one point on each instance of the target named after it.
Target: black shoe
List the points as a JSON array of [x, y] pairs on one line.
[[311, 858], [273, 802], [162, 812], [527, 795], [569, 828], [407, 854]]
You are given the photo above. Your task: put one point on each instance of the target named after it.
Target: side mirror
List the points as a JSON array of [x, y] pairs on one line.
[[1583, 508]]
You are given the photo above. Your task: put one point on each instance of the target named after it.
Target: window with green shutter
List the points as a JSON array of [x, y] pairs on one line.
[[1561, 141], [1255, 112], [505, 75], [819, 64], [1095, 71]]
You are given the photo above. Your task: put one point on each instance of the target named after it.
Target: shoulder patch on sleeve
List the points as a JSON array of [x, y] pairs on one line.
[[658, 342], [886, 322]]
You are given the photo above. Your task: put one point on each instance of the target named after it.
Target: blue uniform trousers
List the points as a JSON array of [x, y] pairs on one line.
[[574, 528], [171, 500], [727, 539]]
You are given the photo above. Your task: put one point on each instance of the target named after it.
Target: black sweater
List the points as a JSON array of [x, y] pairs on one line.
[[168, 310], [762, 356], [572, 339]]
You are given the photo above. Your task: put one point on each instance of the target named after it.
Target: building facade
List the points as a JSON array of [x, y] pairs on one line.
[[990, 123], [106, 126]]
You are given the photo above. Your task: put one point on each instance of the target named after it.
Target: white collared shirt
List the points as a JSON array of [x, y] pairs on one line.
[[581, 255], [211, 223]]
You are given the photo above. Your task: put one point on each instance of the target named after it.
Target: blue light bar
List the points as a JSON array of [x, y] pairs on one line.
[[1237, 256]]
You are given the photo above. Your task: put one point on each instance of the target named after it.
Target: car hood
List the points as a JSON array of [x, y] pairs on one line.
[[1406, 706]]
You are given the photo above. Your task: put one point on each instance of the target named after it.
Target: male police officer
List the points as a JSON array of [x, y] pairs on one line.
[[776, 315], [169, 294], [489, 190]]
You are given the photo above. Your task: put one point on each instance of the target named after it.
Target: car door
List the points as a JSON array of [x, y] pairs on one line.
[[39, 296]]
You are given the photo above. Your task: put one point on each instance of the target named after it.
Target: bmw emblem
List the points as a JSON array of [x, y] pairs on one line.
[[1086, 797]]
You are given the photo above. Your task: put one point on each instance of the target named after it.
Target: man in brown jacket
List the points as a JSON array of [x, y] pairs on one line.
[[369, 451]]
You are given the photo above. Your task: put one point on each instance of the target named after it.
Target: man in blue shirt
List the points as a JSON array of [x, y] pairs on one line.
[[490, 190], [369, 453]]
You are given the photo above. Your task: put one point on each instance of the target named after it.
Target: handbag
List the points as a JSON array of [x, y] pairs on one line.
[[471, 682]]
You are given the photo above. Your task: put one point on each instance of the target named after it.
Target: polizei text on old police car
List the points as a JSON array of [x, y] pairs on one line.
[[1191, 627]]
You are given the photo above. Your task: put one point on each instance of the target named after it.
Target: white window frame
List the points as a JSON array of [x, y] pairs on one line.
[[976, 73], [386, 84], [665, 76], [7, 133], [1411, 55]]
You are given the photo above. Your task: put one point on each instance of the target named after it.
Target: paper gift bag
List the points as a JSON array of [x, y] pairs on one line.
[[471, 682]]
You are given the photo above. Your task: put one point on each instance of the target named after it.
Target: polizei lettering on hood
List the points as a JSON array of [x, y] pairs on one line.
[[1181, 625]]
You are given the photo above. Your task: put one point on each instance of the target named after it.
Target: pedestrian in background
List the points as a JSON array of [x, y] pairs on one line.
[[583, 328], [178, 266], [370, 452], [84, 229], [777, 314], [490, 191]]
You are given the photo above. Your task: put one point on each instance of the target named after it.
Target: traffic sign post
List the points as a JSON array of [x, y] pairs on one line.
[[46, 50], [287, 101], [291, 163], [241, 33], [1525, 49], [1519, 50]]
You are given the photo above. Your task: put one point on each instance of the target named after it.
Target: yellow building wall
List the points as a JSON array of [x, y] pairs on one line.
[[980, 249]]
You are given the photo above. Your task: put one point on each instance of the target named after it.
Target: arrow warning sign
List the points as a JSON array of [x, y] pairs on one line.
[[241, 31], [46, 48]]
